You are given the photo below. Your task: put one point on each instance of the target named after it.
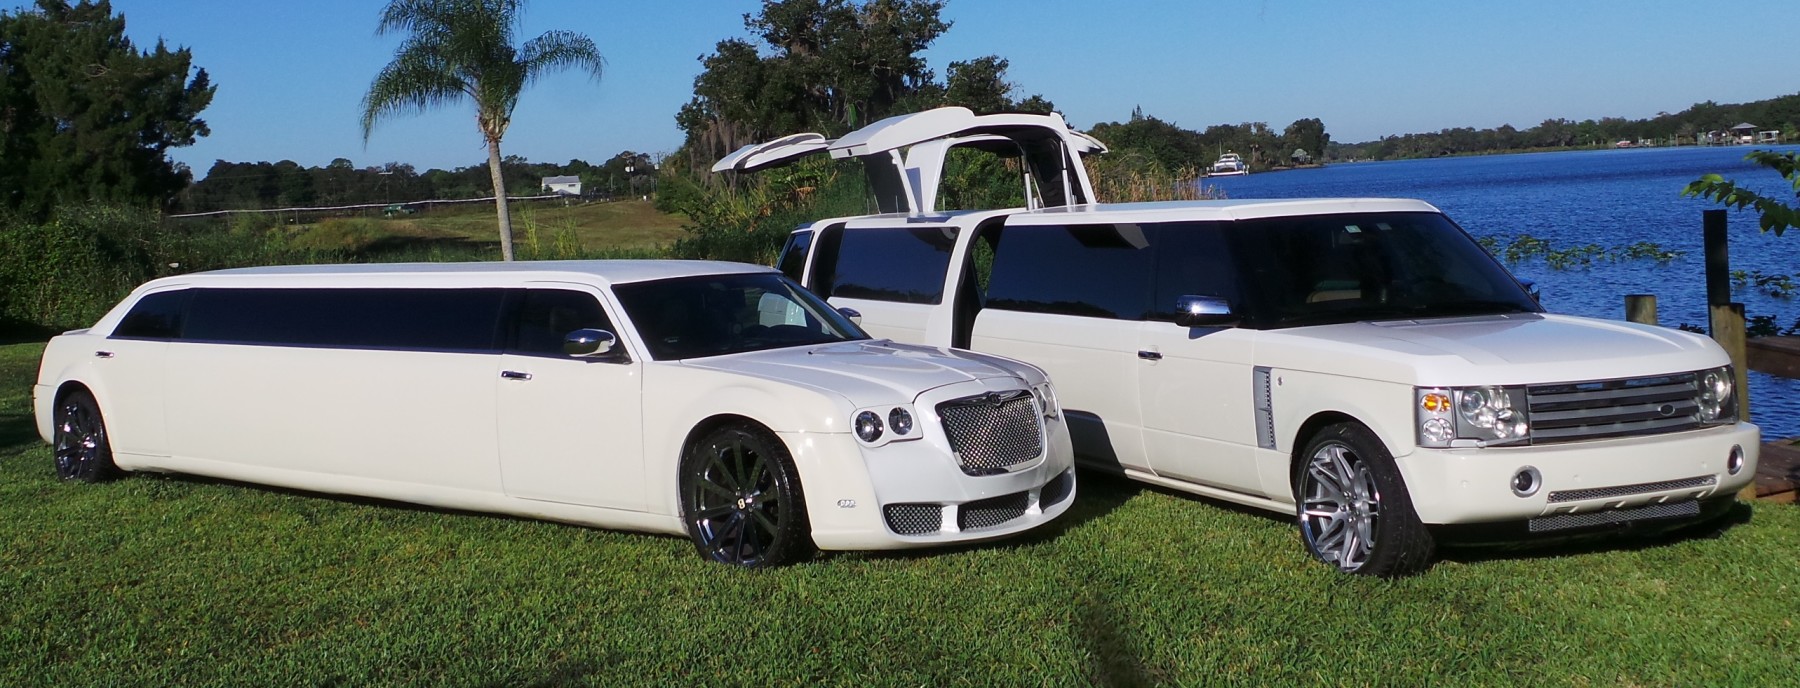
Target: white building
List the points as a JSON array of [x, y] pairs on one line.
[[567, 186]]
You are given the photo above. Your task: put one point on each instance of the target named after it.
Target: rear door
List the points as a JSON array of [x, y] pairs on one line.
[[570, 428], [893, 276], [1071, 300]]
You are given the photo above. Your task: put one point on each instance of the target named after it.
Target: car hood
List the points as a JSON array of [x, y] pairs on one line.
[[873, 372], [1500, 349]]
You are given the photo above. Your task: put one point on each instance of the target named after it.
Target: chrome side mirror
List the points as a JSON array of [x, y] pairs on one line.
[[1203, 311], [854, 315], [1531, 289], [589, 343]]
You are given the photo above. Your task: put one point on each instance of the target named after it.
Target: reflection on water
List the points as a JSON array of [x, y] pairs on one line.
[[1609, 198]]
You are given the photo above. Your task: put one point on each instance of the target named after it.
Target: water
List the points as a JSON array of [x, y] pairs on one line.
[[1607, 197]]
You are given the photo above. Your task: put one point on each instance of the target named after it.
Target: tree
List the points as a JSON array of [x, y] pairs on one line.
[[85, 115], [1777, 216], [458, 50]]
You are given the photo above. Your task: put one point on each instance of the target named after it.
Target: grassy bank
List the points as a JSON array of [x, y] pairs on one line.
[[174, 581]]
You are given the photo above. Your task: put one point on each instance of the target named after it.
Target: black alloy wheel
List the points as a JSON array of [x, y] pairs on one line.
[[741, 499]]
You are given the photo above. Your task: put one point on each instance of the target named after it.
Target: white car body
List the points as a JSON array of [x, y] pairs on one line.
[[1227, 410], [541, 436]]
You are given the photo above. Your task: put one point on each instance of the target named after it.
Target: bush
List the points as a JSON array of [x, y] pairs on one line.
[[68, 271]]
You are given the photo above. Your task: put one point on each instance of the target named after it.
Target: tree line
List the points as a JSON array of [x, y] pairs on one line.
[[1171, 146], [1687, 127], [287, 184]]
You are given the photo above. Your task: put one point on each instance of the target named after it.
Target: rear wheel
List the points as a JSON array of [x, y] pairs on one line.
[[741, 499], [81, 448], [1354, 511]]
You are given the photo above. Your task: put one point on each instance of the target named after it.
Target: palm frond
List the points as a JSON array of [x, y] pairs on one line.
[[414, 82], [557, 50]]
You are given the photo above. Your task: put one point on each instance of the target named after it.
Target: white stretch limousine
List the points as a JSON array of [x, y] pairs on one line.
[[715, 400], [1361, 364]]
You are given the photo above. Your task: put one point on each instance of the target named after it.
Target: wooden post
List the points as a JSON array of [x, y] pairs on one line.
[[1641, 308], [1718, 259], [1728, 331]]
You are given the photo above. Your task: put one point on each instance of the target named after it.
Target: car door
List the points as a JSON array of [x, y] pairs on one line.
[[893, 276], [1195, 384], [570, 428], [1070, 299]]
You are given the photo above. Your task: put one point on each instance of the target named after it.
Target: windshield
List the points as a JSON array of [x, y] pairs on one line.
[[1323, 269], [714, 315]]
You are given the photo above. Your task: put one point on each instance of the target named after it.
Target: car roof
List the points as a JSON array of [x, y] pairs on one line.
[[453, 274], [1158, 211]]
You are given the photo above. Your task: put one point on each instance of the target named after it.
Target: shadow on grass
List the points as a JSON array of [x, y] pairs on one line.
[[1627, 538], [18, 432]]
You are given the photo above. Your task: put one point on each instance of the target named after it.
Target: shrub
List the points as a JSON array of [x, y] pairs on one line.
[[67, 271]]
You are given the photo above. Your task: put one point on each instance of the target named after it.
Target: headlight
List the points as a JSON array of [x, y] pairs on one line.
[[1718, 402], [1488, 415], [868, 426], [901, 421]]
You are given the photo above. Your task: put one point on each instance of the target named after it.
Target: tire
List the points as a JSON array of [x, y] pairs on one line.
[[741, 499], [1353, 509], [79, 442]]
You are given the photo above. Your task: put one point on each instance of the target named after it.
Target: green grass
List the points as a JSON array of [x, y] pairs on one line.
[[174, 581], [615, 225]]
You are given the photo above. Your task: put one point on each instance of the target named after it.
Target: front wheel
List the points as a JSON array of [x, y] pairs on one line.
[[1354, 510], [741, 499], [81, 448]]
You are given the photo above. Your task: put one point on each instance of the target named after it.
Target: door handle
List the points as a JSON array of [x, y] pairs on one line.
[[103, 354], [514, 375], [1150, 355]]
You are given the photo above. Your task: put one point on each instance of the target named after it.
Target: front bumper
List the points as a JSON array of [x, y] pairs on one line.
[[847, 499], [1459, 486]]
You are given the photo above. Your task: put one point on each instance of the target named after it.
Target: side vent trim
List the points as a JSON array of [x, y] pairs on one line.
[[1265, 407]]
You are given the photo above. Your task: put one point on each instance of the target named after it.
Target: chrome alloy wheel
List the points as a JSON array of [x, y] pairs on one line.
[[737, 507], [80, 439], [1339, 506]]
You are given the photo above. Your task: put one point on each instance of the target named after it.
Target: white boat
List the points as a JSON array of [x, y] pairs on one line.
[[1228, 165]]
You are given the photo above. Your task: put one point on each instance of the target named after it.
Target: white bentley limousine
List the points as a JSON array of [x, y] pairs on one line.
[[715, 400]]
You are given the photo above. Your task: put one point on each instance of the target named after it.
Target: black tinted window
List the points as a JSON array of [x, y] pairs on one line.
[[904, 264], [793, 255], [1100, 271], [549, 315], [1191, 259], [157, 316], [714, 315], [427, 319]]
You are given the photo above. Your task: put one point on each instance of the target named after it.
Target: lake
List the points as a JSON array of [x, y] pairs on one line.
[[1605, 197]]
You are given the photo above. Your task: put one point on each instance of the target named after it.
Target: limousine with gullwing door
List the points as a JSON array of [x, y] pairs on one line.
[[714, 400], [1359, 364]]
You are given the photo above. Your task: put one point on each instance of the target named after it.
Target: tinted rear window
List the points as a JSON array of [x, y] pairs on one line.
[[903, 264], [1099, 271], [419, 319]]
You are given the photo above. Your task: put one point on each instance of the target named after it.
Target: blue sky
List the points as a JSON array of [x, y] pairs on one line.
[[291, 74]]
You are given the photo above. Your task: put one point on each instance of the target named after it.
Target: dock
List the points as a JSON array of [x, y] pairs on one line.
[[1778, 470]]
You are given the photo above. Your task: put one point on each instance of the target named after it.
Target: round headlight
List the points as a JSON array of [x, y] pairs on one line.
[[900, 421], [868, 426], [1715, 393]]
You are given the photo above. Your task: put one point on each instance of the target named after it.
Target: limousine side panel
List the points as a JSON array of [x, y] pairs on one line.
[[424, 418]]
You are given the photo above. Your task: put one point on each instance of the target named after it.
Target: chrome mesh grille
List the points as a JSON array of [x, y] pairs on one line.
[[1057, 489], [914, 519], [990, 432], [1610, 516], [1614, 408], [1628, 490], [992, 512]]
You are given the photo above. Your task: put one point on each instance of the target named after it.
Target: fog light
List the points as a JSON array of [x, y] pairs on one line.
[[868, 426], [1526, 482], [1735, 462]]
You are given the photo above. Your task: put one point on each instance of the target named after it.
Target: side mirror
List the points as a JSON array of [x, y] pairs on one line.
[[1531, 289], [589, 343], [1203, 311], [854, 315]]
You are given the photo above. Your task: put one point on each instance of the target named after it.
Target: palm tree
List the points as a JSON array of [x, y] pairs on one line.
[[463, 49]]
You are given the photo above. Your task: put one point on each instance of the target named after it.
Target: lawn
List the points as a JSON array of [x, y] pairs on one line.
[[624, 224], [175, 581]]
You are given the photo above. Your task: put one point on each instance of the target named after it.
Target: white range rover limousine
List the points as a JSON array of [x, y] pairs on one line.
[[1362, 364], [715, 400]]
